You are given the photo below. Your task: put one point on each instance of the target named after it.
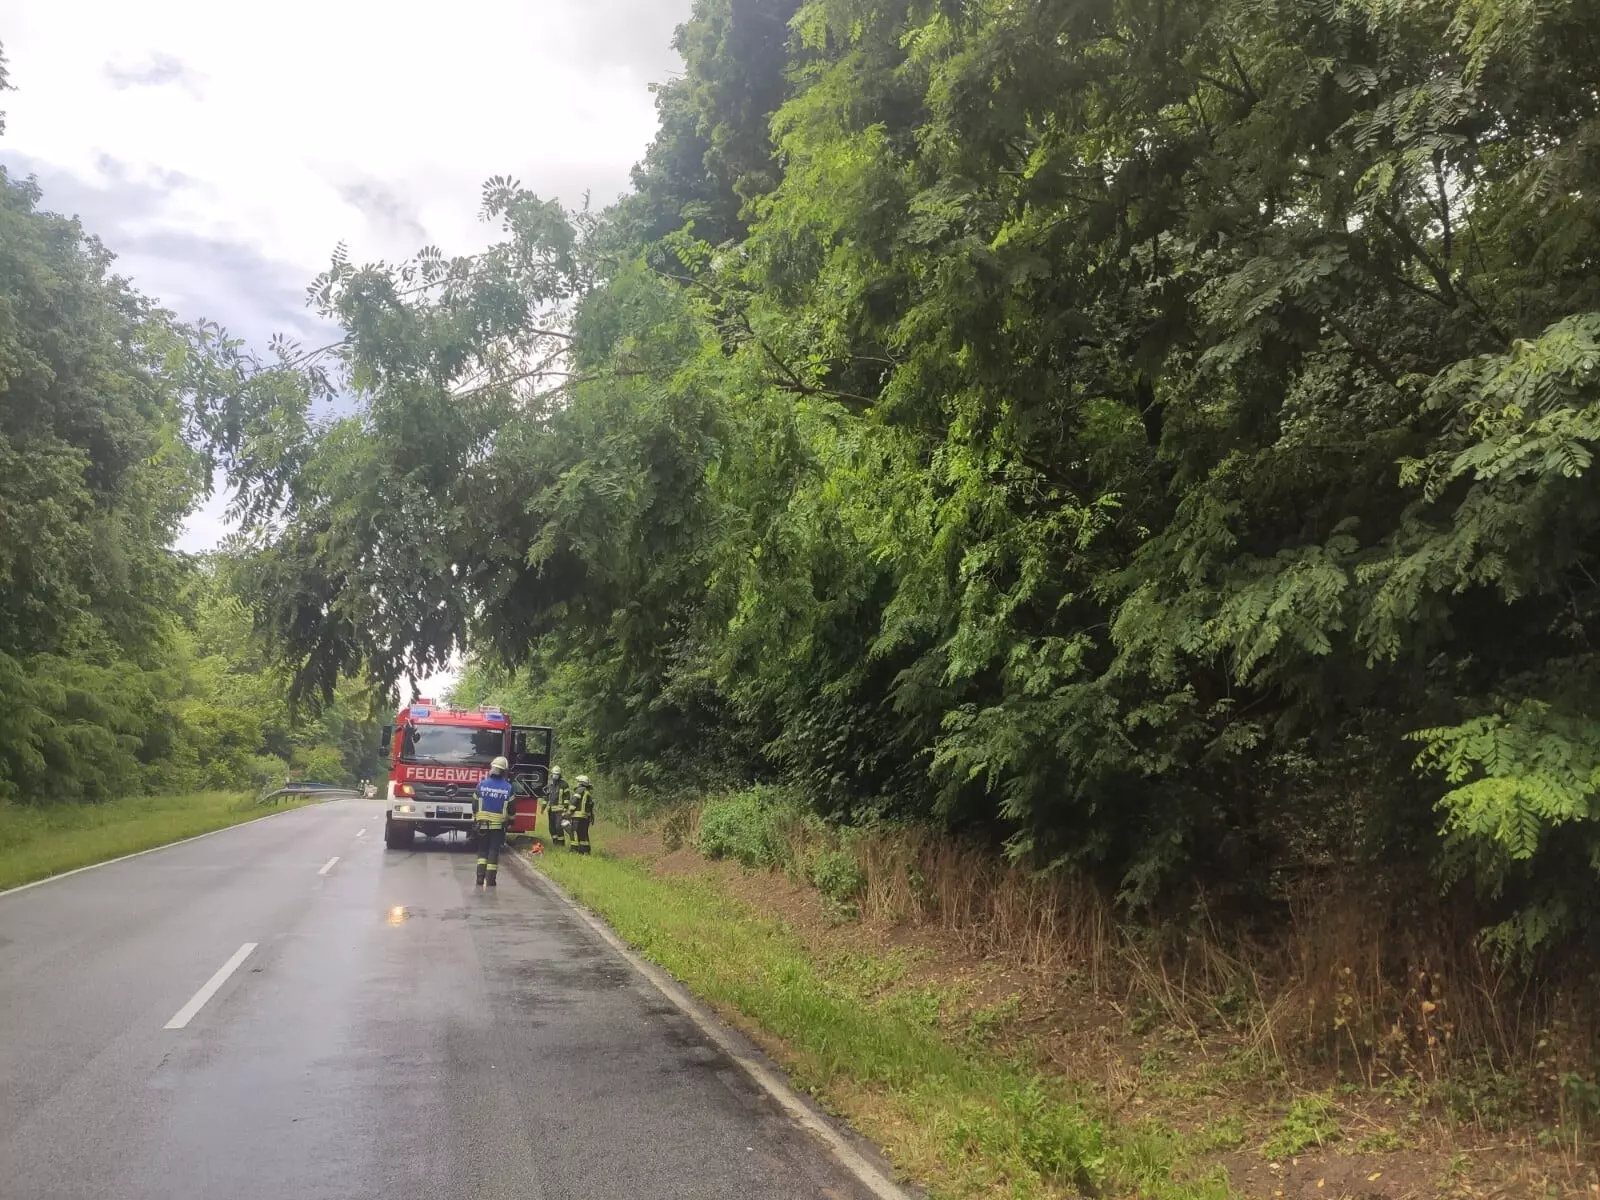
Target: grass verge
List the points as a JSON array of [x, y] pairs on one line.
[[36, 843], [953, 1117]]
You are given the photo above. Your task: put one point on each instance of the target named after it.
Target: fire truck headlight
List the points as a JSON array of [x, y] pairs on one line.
[[403, 808], [404, 789]]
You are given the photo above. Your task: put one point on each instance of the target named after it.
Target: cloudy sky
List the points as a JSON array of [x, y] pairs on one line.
[[222, 150]]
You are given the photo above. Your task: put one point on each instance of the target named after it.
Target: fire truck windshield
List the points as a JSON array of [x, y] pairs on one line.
[[452, 744]]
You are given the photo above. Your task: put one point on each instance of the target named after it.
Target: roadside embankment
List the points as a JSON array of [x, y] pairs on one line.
[[983, 1073]]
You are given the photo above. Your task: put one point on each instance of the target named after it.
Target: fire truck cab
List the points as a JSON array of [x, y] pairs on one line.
[[438, 754]]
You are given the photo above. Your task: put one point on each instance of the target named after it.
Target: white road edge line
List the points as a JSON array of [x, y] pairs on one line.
[[849, 1157], [198, 1001], [22, 887], [328, 866]]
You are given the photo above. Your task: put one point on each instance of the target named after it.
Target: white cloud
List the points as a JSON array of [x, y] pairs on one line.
[[206, 526], [223, 150], [274, 113], [433, 687]]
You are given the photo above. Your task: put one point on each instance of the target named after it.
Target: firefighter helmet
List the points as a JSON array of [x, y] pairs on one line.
[[500, 764], [583, 781]]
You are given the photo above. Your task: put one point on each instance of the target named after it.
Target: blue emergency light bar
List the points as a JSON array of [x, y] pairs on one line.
[[495, 716], [419, 713]]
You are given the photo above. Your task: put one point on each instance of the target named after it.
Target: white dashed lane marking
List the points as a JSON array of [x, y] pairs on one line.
[[198, 1001]]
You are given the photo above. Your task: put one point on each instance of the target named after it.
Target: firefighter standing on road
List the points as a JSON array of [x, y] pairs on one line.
[[581, 815], [494, 808], [556, 809]]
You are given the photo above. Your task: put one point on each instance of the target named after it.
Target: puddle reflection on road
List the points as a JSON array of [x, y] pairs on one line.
[[397, 915]]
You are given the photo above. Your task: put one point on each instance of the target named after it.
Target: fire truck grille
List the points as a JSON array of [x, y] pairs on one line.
[[440, 793]]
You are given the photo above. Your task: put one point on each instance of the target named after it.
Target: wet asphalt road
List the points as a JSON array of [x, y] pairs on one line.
[[396, 1034]]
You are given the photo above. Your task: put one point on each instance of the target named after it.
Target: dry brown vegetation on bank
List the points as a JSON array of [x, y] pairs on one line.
[[1359, 1037]]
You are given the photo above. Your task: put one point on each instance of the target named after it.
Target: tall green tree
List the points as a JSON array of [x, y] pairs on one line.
[[122, 665], [1155, 437], [94, 481]]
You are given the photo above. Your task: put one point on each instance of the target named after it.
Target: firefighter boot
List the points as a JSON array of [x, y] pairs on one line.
[[494, 873], [578, 835], [483, 870]]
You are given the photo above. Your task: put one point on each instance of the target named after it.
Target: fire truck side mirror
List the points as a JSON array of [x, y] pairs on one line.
[[388, 736], [519, 744]]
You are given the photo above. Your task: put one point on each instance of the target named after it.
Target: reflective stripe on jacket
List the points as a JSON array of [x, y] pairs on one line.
[[583, 804]]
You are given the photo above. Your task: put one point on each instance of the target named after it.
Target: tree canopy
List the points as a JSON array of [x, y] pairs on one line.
[[1157, 435], [124, 666]]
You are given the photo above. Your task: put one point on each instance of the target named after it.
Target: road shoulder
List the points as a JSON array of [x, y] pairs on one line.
[[854, 1153]]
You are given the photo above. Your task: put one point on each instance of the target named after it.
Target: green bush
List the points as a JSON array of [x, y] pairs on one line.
[[320, 764], [1487, 1097], [1059, 1140], [752, 827], [1309, 1122], [267, 772], [837, 875]]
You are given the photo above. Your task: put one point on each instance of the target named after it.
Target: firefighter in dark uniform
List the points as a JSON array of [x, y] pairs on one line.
[[494, 811], [556, 809], [581, 815]]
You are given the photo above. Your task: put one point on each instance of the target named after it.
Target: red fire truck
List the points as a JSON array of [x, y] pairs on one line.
[[436, 757]]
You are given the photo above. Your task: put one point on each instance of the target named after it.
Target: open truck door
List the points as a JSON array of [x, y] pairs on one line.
[[531, 750]]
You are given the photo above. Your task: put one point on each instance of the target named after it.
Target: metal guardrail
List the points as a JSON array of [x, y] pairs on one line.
[[319, 791]]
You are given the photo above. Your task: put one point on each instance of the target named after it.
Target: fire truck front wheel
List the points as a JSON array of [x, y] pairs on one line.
[[398, 836]]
